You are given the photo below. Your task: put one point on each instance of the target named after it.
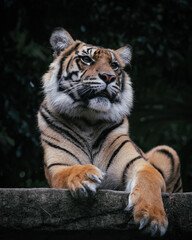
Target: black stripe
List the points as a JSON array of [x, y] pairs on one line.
[[127, 168], [159, 170], [84, 73], [61, 87], [102, 137], [66, 134], [120, 72], [59, 76], [70, 75], [64, 125], [60, 69], [49, 136], [59, 129], [170, 156], [78, 65], [137, 148], [179, 188], [89, 49], [67, 68], [57, 164], [92, 83], [63, 59], [87, 77], [123, 135], [50, 113], [77, 45], [116, 152], [105, 133], [123, 81], [177, 184], [60, 148]]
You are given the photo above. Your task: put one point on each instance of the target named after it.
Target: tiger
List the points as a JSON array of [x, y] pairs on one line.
[[84, 129]]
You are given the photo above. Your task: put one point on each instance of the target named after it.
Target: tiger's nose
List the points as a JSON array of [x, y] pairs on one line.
[[108, 78]]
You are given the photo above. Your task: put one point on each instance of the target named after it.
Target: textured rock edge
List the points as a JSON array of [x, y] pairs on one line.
[[45, 209]]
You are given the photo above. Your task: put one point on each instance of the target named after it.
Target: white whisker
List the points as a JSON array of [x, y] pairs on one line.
[[68, 90]]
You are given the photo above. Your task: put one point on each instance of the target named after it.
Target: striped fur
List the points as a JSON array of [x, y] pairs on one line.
[[85, 132]]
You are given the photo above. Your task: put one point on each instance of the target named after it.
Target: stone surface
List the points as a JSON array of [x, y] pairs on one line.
[[54, 211]]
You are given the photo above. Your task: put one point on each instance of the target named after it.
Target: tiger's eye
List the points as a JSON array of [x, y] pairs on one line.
[[86, 60], [115, 66]]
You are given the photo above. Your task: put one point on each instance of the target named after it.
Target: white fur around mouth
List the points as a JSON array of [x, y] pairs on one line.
[[103, 93]]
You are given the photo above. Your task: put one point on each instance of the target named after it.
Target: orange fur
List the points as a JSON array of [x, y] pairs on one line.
[[85, 132], [72, 177], [146, 196]]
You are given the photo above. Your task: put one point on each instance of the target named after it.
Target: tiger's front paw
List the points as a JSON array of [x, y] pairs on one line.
[[149, 214], [84, 180], [151, 218]]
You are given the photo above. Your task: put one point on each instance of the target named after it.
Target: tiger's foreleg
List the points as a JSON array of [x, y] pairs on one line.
[[145, 184], [63, 171]]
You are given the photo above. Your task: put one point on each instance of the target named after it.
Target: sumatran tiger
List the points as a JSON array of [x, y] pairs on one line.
[[85, 131]]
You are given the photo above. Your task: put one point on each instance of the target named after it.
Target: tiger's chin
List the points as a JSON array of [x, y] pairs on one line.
[[100, 104], [93, 109]]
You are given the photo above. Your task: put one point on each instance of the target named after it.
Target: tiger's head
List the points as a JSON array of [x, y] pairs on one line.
[[87, 81]]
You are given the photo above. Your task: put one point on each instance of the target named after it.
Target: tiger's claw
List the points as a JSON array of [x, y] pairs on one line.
[[85, 181]]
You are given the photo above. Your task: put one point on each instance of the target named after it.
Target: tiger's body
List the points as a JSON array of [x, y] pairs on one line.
[[85, 132]]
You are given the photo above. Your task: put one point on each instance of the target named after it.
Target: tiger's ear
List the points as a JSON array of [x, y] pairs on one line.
[[125, 54], [60, 40]]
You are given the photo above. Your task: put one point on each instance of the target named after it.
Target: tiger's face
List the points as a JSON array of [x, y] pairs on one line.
[[88, 81]]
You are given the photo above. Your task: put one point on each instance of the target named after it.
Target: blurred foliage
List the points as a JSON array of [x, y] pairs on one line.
[[160, 34]]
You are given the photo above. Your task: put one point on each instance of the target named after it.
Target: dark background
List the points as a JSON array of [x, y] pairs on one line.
[[161, 71]]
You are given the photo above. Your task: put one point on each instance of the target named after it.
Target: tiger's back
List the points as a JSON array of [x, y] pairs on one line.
[[85, 131]]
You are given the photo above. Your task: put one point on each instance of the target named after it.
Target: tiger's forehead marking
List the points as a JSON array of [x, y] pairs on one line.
[[98, 52]]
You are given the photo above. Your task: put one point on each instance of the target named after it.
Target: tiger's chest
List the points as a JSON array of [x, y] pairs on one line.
[[93, 136], [106, 150]]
